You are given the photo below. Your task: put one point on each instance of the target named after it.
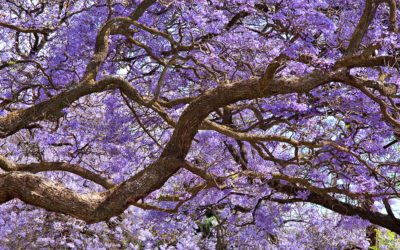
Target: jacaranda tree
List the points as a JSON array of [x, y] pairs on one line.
[[198, 123]]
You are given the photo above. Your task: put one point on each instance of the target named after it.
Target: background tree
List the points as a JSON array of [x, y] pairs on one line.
[[161, 117]]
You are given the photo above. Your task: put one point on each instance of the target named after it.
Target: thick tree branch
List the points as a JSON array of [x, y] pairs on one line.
[[362, 26], [341, 207], [101, 45], [114, 201], [18, 120], [392, 18], [33, 168], [43, 31], [172, 103], [367, 61], [63, 166], [248, 89], [92, 207]]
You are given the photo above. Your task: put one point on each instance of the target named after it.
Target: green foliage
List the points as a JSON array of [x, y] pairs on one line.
[[207, 224], [386, 239], [12, 63]]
